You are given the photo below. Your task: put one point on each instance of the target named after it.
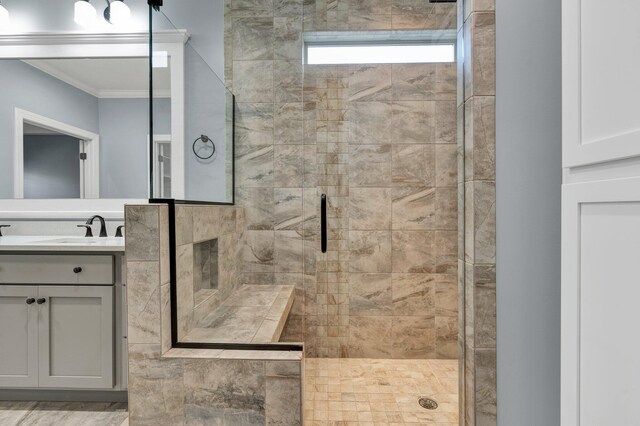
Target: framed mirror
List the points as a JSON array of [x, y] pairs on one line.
[[74, 121]]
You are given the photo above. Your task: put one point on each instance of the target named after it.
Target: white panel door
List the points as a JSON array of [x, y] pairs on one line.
[[600, 213], [18, 336], [600, 61]]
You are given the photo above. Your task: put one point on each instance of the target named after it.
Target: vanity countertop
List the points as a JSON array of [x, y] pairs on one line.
[[59, 243]]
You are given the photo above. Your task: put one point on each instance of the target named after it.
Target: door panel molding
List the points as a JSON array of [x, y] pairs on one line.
[[574, 198], [577, 150]]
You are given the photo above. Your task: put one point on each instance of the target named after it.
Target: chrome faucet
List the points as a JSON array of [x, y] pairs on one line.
[[103, 226]]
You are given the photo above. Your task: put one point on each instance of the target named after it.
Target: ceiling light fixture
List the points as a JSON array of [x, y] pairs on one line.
[[84, 13], [4, 17], [116, 13]]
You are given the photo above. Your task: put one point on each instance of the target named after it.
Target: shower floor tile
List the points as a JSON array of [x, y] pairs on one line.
[[347, 391]]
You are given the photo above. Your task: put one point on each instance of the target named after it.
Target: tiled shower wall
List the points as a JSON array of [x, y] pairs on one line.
[[380, 142], [477, 171]]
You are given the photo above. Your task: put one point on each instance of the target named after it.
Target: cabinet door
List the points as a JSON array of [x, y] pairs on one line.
[[600, 213], [75, 337], [18, 336]]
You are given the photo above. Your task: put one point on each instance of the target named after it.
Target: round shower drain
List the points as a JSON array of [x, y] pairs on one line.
[[428, 403]]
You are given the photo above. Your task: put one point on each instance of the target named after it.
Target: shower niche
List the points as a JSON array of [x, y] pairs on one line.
[[205, 269]]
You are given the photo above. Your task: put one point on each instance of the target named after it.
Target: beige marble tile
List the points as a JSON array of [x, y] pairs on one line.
[[288, 123], [254, 124], [413, 208], [446, 293], [413, 251], [287, 256], [156, 391], [446, 208], [446, 82], [485, 306], [258, 251], [288, 164], [288, 213], [224, 392], [370, 337], [413, 165], [414, 122], [414, 294], [253, 38], [479, 138], [288, 84], [165, 257], [446, 252], [370, 165], [414, 82], [283, 402], [485, 387], [259, 207], [383, 390], [413, 337], [184, 288], [370, 123], [143, 297], [184, 225], [370, 251], [207, 222], [446, 337], [288, 30], [254, 166], [370, 209], [165, 317], [370, 294], [483, 58], [253, 81], [483, 209], [143, 236], [446, 165], [370, 83]]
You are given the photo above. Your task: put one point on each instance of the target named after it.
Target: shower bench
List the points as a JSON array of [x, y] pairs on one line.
[[251, 314]]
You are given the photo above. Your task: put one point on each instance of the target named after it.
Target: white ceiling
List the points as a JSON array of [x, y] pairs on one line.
[[108, 77]]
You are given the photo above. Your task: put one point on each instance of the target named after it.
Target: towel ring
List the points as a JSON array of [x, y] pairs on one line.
[[205, 139]]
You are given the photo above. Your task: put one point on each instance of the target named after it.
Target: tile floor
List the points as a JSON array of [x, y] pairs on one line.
[[345, 392], [13, 413]]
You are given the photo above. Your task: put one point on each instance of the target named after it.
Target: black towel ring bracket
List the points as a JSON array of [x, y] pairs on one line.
[[204, 139]]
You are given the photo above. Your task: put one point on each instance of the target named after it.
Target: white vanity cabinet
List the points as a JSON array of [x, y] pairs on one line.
[[58, 326]]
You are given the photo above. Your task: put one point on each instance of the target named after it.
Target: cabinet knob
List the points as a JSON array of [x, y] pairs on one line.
[[41, 301], [30, 301], [77, 269]]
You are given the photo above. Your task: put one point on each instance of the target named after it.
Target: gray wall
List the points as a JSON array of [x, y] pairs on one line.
[[528, 149], [204, 114], [51, 166], [124, 131], [45, 96], [205, 21]]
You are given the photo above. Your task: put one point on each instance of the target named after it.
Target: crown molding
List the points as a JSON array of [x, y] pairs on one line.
[[57, 38]]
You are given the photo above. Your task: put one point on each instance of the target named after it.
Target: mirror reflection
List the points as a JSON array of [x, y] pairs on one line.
[[79, 128]]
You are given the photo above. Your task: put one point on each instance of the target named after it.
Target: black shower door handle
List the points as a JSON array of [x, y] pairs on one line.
[[323, 223]]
